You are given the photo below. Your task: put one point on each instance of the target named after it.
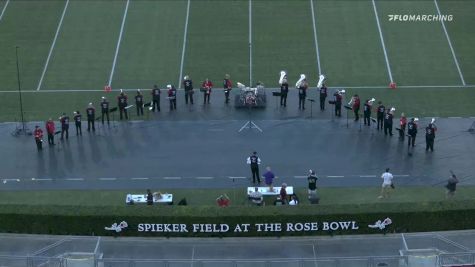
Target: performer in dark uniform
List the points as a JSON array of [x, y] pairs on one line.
[[139, 103], [122, 103], [77, 120], [172, 96], [91, 117], [188, 84], [412, 132], [367, 112], [104, 110], [380, 115], [284, 90], [254, 162], [323, 96], [228, 86], [430, 136], [64, 125], [206, 88], [38, 133], [338, 100], [388, 123], [156, 98], [302, 93], [402, 126], [356, 107]]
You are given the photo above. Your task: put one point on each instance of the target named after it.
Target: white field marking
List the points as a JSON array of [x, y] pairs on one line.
[[401, 175], [250, 43], [382, 42], [315, 37], [367, 176], [450, 44], [10, 180], [237, 177], [204, 177], [124, 17], [74, 179], [184, 43], [52, 46], [41, 179], [300, 176], [3, 10], [171, 178], [108, 179], [335, 176], [454, 117], [268, 88], [139, 178]]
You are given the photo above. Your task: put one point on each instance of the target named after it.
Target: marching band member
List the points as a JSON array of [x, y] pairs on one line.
[[104, 110], [254, 161], [122, 103], [172, 96], [356, 106], [77, 120], [38, 133], [323, 96], [388, 123], [206, 86], [50, 129], [284, 90], [91, 117], [412, 132], [228, 86], [188, 85], [338, 100], [430, 136], [380, 115], [367, 112], [64, 119], [139, 102], [302, 93], [155, 98], [402, 126]]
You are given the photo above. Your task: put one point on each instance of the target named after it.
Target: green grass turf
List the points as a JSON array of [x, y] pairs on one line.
[[150, 52], [31, 26], [84, 50], [283, 40], [350, 50], [217, 42], [418, 52], [329, 196], [461, 34]]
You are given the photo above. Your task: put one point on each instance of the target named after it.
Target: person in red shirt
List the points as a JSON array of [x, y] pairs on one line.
[[206, 88], [283, 193], [64, 119], [402, 124], [172, 96], [223, 201], [50, 130], [228, 86], [38, 133], [356, 106]]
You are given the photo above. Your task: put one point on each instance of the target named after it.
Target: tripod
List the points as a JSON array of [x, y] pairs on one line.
[[250, 124], [311, 106]]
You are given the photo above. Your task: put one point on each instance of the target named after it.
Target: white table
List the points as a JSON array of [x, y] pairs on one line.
[[142, 199], [266, 192]]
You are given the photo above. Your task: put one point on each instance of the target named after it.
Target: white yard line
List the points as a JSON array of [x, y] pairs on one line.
[[4, 8], [367, 176], [300, 177], [450, 44], [139, 178], [171, 178], [382, 42], [269, 88], [237, 177], [124, 17], [41, 179], [335, 176], [315, 37], [107, 179], [184, 44], [52, 46], [204, 178], [74, 179], [250, 43]]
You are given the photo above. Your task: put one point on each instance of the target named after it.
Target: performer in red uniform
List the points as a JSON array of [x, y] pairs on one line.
[[228, 86], [356, 107], [38, 133], [50, 128], [338, 100], [402, 126], [64, 119], [206, 88]]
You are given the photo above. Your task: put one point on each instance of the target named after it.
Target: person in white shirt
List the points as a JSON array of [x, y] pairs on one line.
[[387, 183], [294, 201]]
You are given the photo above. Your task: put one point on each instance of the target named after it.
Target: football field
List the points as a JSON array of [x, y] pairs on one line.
[[69, 49]]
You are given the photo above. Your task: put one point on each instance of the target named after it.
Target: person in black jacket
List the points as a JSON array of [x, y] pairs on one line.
[[323, 96], [284, 90], [139, 103]]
